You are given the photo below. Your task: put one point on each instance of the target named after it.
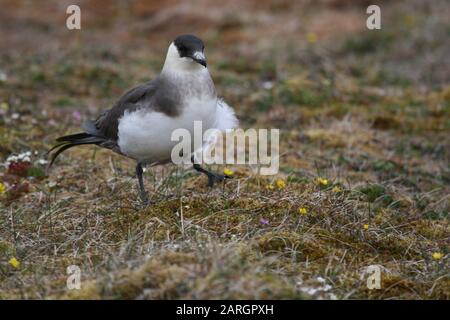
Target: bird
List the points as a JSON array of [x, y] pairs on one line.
[[140, 123]]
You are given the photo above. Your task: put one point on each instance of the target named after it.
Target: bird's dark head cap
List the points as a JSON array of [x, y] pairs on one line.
[[190, 46]]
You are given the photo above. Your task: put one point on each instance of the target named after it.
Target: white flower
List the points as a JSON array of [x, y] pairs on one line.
[[319, 290], [326, 287], [3, 76], [42, 161], [320, 279], [51, 184], [267, 85]]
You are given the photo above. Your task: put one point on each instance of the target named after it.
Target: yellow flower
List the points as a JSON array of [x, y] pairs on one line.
[[280, 184], [409, 20], [228, 172], [336, 189], [270, 187], [303, 211], [14, 262], [311, 37], [366, 226], [2, 188], [322, 181], [437, 255]]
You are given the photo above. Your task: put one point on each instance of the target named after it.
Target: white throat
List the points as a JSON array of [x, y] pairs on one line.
[[176, 64]]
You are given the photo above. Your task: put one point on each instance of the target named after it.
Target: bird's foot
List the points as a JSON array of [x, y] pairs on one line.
[[216, 177], [144, 198]]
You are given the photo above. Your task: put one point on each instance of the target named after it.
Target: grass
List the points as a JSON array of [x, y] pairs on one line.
[[364, 176]]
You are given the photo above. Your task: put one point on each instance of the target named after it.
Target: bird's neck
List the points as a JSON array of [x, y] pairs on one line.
[[194, 83], [176, 71], [186, 76]]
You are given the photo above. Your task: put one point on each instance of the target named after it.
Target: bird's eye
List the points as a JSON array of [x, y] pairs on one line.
[[182, 51]]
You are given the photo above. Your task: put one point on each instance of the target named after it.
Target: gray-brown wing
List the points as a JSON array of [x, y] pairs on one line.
[[107, 123]]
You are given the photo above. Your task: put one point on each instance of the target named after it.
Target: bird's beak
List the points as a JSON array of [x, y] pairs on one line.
[[200, 58]]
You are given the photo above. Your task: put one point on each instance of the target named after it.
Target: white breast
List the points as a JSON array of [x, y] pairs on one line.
[[146, 136]]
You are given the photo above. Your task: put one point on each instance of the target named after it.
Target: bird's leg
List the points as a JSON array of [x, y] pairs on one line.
[[142, 193], [212, 176]]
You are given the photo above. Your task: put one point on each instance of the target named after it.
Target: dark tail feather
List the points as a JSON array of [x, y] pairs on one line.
[[73, 140], [62, 148], [74, 137]]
